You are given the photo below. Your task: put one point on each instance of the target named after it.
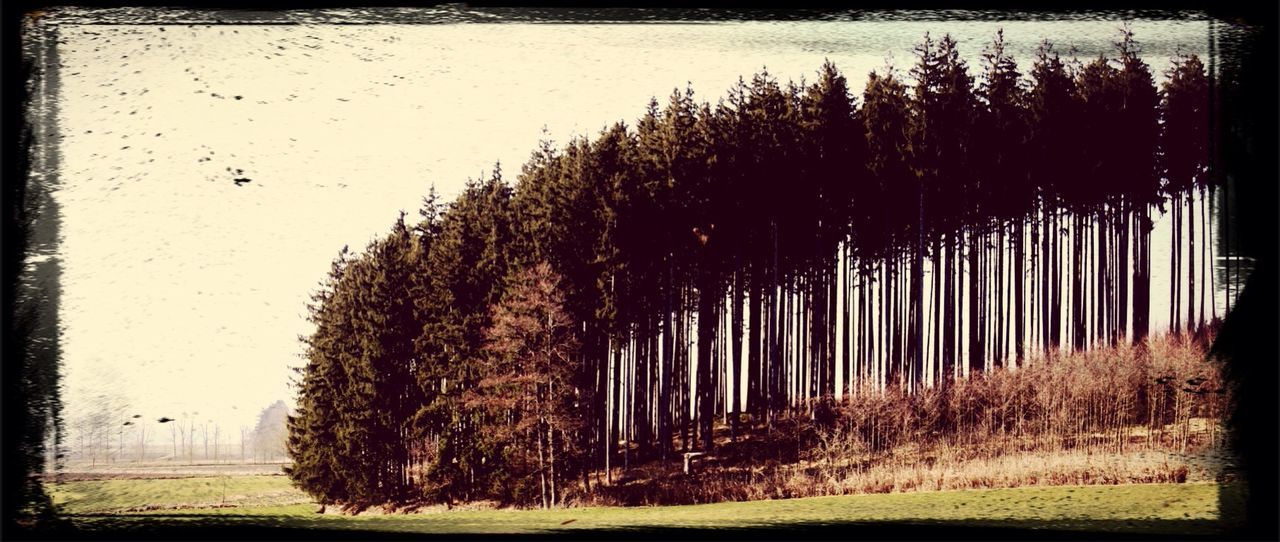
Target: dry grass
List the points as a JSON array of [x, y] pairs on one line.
[[1150, 413], [906, 472]]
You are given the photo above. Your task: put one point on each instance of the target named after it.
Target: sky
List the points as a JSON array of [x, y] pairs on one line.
[[184, 293]]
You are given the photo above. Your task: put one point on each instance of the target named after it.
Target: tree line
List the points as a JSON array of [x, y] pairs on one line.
[[111, 432], [734, 261]]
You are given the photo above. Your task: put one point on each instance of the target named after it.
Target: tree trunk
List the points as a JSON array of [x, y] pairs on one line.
[[975, 304], [1204, 256], [1191, 262], [705, 385], [938, 271], [542, 464], [669, 361], [755, 340], [733, 375], [998, 356], [1077, 282], [640, 395]]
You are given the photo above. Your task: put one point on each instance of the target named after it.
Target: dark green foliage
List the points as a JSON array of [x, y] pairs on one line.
[[466, 269], [1185, 163], [1185, 107], [349, 438], [886, 112], [312, 441]]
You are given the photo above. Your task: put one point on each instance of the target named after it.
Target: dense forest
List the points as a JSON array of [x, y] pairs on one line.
[[723, 267]]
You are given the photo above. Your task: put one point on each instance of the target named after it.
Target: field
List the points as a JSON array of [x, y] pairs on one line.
[[241, 504]]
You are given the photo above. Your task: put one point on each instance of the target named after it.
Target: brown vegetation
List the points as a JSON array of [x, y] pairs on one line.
[[1150, 413]]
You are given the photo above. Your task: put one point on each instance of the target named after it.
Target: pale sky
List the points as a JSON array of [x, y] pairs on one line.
[[183, 292]]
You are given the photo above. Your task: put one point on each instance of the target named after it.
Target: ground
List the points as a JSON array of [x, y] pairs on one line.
[[243, 505]]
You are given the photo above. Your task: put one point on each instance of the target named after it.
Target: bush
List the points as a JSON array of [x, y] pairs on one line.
[[1092, 399]]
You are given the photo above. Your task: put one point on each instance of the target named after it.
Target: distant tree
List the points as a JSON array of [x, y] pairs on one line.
[[268, 436], [94, 426]]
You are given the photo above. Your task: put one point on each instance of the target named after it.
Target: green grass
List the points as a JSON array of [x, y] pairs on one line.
[[1168, 508], [116, 496]]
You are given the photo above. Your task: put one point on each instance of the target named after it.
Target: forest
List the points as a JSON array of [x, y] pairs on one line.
[[933, 257]]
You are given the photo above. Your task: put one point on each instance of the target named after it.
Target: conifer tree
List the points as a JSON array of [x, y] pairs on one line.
[[1138, 173], [1001, 140], [886, 112], [1054, 113], [467, 267], [1185, 152], [312, 441]]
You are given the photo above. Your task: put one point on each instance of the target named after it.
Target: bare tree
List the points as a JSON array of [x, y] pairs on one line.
[[173, 431], [142, 438]]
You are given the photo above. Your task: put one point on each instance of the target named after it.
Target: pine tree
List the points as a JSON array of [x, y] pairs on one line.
[[1184, 149], [467, 267], [312, 442], [1138, 170], [1054, 114], [1002, 139]]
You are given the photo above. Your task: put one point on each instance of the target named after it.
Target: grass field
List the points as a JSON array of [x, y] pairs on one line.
[[171, 494], [252, 502]]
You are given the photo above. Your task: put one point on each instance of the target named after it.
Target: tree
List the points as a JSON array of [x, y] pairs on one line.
[[1103, 151], [831, 126], [312, 442], [531, 383], [1054, 112], [1002, 138], [1184, 155], [268, 436], [464, 269], [944, 111], [382, 389], [886, 113], [1139, 174]]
